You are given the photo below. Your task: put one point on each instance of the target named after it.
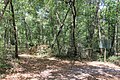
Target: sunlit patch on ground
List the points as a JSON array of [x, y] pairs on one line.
[[32, 68], [103, 64]]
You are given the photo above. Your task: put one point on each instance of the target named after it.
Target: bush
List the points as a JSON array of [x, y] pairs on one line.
[[100, 57], [4, 65], [114, 59]]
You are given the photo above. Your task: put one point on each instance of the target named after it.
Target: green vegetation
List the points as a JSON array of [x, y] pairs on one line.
[[84, 30], [114, 59]]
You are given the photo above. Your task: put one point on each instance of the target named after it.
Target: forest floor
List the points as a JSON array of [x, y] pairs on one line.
[[29, 67]]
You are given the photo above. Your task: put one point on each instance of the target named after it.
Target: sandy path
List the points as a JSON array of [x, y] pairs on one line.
[[34, 68]]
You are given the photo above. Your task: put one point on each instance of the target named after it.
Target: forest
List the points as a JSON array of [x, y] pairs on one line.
[[59, 40]]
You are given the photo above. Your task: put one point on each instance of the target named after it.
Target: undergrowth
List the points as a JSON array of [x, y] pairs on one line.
[[114, 59], [4, 65]]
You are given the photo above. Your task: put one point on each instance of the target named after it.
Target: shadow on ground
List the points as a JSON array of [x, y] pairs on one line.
[[29, 68]]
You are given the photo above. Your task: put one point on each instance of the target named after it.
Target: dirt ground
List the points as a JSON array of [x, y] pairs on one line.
[[35, 68]]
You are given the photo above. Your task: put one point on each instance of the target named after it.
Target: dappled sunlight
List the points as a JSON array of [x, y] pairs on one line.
[[47, 73], [32, 68], [22, 76], [59, 39], [103, 64], [97, 71]]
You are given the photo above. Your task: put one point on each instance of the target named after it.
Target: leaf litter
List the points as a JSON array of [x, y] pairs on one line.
[[29, 67]]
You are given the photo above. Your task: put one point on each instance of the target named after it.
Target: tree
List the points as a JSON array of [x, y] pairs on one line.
[[72, 51], [15, 30]]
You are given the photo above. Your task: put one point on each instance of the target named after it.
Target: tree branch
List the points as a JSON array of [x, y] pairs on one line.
[[3, 11], [60, 29]]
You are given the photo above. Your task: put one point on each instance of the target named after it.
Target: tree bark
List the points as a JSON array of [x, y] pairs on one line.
[[26, 33], [5, 37], [116, 30], [98, 24], [73, 49], [15, 30]]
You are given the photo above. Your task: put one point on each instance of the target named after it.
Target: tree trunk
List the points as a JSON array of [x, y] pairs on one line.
[[15, 30], [98, 24], [39, 30], [116, 30], [5, 38], [26, 33], [73, 51], [30, 34], [42, 34]]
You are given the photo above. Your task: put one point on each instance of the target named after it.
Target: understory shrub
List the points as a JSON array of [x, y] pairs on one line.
[[114, 59]]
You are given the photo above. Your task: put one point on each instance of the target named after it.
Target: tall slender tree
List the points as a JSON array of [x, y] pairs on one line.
[[15, 30], [116, 29], [72, 28]]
